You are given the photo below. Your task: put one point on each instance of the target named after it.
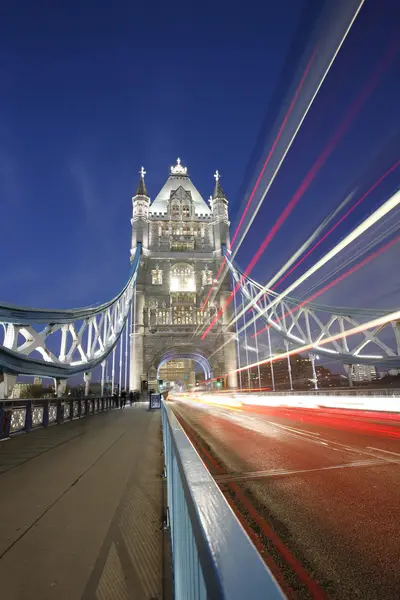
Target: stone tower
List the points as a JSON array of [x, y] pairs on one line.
[[182, 240]]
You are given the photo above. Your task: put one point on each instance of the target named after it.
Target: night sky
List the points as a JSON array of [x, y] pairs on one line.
[[90, 92]]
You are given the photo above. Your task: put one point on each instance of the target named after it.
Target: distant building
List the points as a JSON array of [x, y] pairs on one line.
[[360, 373], [20, 390], [301, 372], [328, 379]]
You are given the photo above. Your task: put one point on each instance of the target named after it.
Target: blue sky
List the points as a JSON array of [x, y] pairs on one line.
[[90, 92]]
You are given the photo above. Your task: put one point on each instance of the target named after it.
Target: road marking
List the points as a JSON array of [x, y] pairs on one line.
[[255, 424], [299, 431], [284, 472], [382, 450]]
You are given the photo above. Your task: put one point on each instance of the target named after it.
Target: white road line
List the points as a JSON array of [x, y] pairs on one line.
[[382, 450], [255, 424], [279, 473]]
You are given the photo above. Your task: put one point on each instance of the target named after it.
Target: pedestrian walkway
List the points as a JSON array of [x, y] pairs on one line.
[[81, 509]]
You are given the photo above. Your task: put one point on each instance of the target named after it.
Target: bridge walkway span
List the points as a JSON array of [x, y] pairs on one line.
[[81, 510]]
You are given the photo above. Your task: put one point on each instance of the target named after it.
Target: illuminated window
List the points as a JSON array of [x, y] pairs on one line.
[[206, 276], [182, 278], [175, 210], [163, 317], [182, 315], [157, 276], [180, 246], [186, 211]]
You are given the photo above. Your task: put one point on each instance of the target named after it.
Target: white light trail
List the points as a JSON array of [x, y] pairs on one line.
[[353, 256], [380, 321], [383, 210], [336, 47]]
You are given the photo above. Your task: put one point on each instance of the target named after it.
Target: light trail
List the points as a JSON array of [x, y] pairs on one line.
[[331, 284], [323, 238], [384, 320], [378, 214], [337, 46], [388, 231], [378, 322], [318, 164], [312, 237], [260, 176], [274, 144]]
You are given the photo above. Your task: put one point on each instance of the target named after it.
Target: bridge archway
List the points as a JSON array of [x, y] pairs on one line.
[[189, 353]]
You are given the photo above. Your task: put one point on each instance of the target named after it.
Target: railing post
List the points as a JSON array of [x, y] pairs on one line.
[[81, 408], [5, 421], [28, 416], [46, 413]]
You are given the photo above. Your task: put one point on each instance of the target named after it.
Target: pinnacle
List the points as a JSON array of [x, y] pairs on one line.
[[218, 191], [141, 188]]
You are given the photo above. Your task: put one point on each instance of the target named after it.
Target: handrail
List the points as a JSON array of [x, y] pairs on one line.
[[80, 338], [212, 555], [23, 415], [12, 313]]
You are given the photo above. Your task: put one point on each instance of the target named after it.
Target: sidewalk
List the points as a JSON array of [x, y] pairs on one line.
[[81, 510]]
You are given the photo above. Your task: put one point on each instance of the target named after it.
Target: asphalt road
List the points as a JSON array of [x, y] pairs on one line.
[[326, 484]]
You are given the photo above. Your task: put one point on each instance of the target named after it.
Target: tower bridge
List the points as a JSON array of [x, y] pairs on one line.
[[176, 304], [182, 238], [179, 304]]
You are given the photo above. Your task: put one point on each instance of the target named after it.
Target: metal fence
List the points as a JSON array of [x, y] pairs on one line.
[[395, 392], [17, 416], [212, 556]]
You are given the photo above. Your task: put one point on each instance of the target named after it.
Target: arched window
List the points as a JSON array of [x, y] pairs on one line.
[[182, 278], [175, 210], [206, 276], [186, 211], [157, 276]]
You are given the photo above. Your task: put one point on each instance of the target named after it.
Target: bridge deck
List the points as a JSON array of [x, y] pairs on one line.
[[81, 509]]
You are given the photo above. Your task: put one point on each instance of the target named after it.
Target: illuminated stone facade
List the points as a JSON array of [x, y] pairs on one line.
[[182, 239]]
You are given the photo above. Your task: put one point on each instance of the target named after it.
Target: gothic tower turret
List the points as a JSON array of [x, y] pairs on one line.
[[140, 215], [219, 206]]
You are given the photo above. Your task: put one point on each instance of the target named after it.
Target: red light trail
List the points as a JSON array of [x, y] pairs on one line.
[[262, 171], [351, 209], [274, 144], [327, 151], [334, 282]]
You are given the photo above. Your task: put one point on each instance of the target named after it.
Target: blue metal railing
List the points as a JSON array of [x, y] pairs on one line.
[[17, 416], [212, 556]]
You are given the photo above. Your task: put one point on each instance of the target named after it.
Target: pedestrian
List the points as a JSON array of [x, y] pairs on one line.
[[131, 397], [123, 399]]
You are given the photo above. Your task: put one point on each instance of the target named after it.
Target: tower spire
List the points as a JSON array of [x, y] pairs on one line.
[[141, 188], [218, 191]]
